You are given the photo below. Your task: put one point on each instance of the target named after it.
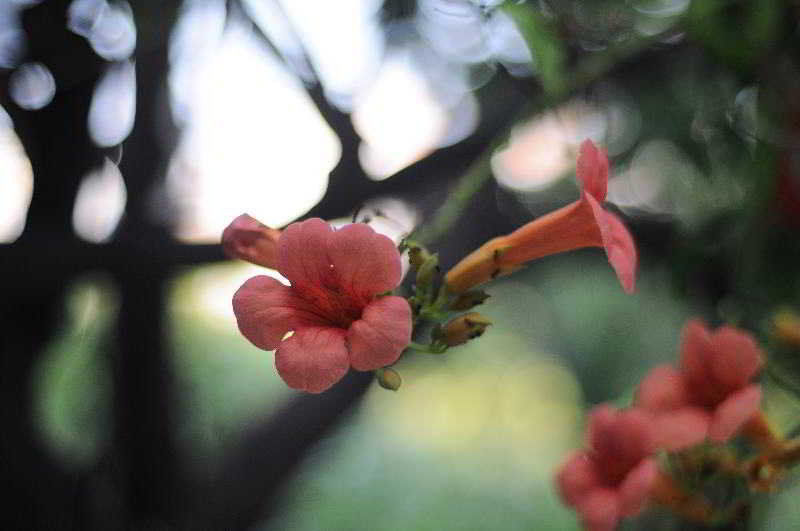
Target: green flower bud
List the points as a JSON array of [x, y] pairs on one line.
[[417, 256], [427, 270]]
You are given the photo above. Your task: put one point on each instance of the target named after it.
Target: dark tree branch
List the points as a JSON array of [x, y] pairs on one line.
[[40, 493], [145, 452]]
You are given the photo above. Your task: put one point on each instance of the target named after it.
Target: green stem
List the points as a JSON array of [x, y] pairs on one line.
[[468, 185]]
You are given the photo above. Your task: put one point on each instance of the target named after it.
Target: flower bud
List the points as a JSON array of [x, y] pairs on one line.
[[787, 327], [417, 256], [389, 379], [248, 239], [463, 328], [468, 300], [427, 270]]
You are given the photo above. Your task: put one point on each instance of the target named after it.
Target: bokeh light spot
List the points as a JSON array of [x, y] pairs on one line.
[[99, 204], [32, 86], [16, 182], [113, 107]]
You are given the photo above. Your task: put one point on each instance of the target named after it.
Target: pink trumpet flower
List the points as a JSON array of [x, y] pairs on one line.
[[334, 304], [711, 395], [584, 223], [614, 477], [248, 239]]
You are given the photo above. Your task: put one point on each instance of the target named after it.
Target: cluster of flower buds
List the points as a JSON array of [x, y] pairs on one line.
[[688, 414], [432, 303]]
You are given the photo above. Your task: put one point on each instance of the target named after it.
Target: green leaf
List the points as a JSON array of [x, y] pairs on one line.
[[544, 43], [737, 32]]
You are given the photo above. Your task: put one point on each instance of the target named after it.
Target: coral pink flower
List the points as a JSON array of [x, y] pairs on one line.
[[248, 239], [584, 223], [333, 305], [613, 478], [711, 395]]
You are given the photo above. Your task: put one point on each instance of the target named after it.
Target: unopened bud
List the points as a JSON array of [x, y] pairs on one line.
[[468, 300], [248, 239], [463, 328], [428, 268], [389, 379], [417, 256], [787, 327]]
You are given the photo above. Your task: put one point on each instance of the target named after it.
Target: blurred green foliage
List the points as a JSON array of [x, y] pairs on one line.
[[469, 442], [72, 385]]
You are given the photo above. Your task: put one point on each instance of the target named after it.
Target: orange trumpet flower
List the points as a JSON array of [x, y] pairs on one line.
[[584, 223]]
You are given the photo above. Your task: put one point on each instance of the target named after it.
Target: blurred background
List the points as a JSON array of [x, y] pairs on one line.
[[134, 131]]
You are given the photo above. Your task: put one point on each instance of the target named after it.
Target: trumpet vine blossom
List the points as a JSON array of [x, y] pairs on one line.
[[584, 223], [333, 307], [613, 477], [711, 395]]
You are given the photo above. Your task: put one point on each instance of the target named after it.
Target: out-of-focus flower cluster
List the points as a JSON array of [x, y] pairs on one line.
[[683, 417]]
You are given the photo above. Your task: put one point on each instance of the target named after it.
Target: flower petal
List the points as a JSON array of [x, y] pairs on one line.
[[248, 239], [663, 389], [635, 490], [601, 422], [366, 263], [733, 412], [736, 357], [266, 309], [681, 428], [600, 510], [618, 243], [697, 354], [695, 343], [303, 256], [576, 478], [379, 337], [620, 440], [313, 358], [570, 227], [592, 170]]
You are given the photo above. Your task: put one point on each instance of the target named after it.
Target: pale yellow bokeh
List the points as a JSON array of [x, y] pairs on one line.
[[523, 408]]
